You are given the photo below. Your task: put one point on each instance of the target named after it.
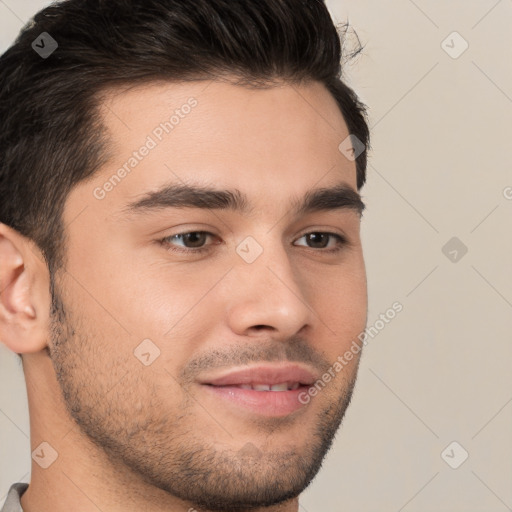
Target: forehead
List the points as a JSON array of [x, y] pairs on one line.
[[270, 143]]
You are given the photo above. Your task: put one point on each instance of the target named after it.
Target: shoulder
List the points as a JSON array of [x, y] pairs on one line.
[[12, 502]]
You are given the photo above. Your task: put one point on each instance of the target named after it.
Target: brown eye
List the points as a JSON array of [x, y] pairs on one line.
[[321, 240], [318, 240], [191, 241]]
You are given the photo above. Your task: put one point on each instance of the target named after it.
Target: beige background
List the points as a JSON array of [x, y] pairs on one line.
[[440, 167]]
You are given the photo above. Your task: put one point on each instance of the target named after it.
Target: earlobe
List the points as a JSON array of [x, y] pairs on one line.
[[23, 314]]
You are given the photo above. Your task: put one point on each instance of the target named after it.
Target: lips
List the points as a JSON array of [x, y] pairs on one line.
[[265, 378], [270, 390]]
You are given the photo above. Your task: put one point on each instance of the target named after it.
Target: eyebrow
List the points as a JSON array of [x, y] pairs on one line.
[[171, 195]]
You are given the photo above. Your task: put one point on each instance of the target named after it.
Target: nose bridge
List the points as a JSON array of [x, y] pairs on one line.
[[265, 289]]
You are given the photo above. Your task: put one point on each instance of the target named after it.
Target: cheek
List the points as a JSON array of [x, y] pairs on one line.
[[341, 303], [173, 307], [341, 290]]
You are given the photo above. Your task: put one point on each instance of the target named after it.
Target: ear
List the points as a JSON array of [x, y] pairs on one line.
[[24, 293]]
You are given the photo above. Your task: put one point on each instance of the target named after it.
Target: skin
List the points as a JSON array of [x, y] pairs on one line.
[[137, 437]]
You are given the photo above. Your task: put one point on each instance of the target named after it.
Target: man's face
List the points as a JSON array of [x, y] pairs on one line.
[[146, 330]]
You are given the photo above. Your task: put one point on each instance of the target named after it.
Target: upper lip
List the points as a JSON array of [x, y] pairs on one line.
[[264, 375]]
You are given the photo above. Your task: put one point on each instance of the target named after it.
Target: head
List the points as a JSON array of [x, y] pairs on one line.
[[150, 121]]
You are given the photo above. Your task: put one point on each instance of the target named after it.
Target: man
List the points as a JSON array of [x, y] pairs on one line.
[[181, 264]]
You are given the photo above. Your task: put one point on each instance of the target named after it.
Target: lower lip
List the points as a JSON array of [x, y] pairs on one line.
[[266, 403]]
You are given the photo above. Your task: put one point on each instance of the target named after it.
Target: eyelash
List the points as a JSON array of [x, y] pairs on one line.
[[342, 242]]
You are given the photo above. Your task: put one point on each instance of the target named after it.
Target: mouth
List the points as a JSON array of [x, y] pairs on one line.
[[283, 386], [272, 391]]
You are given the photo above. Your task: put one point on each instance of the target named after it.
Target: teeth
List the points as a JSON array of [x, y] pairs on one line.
[[261, 387], [280, 387], [283, 386]]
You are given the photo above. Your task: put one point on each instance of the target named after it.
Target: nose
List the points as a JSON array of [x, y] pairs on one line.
[[267, 295]]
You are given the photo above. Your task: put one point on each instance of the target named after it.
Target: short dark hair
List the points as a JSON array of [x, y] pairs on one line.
[[51, 134]]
